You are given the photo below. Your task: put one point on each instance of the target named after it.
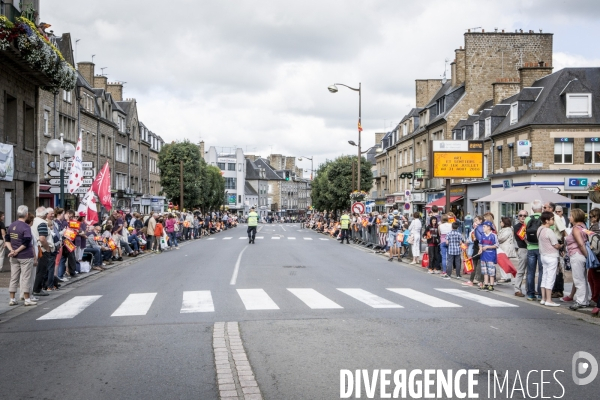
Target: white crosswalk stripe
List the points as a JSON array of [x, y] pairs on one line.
[[259, 237], [135, 304], [256, 299], [323, 239], [71, 308], [210, 239], [198, 301], [424, 298], [369, 298], [275, 238], [486, 301], [201, 301], [307, 238], [314, 299], [243, 237], [227, 238], [291, 238]]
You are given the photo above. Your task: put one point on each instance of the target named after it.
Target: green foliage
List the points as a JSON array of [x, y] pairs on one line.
[[203, 185], [332, 186]]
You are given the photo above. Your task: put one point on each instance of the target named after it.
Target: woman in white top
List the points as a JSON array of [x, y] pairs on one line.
[[549, 254], [415, 233]]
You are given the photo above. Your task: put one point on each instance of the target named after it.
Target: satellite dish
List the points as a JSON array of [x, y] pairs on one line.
[[471, 111]]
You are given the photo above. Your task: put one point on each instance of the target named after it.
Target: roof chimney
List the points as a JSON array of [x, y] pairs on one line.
[[116, 90], [86, 69]]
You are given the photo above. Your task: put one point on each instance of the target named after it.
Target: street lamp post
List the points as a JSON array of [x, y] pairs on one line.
[[333, 89], [311, 165], [64, 152]]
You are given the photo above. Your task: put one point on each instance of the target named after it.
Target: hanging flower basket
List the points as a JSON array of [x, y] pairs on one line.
[[594, 192]]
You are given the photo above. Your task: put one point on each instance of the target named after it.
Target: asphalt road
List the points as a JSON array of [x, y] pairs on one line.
[[146, 330]]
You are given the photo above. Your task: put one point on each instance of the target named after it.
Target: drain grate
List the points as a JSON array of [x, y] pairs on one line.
[[294, 266]]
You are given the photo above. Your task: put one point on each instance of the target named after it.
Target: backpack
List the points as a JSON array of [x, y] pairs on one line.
[[593, 246], [395, 223], [532, 227]]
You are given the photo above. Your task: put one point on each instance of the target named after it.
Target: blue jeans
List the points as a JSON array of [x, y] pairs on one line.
[[96, 253], [444, 251], [533, 257], [172, 239]]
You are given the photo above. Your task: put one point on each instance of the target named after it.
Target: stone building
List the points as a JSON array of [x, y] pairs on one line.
[[274, 197], [233, 169], [487, 57], [156, 143], [256, 190]]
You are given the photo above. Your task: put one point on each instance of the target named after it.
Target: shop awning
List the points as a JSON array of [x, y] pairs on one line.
[[441, 202]]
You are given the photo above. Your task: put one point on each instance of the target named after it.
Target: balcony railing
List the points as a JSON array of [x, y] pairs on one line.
[[9, 11]]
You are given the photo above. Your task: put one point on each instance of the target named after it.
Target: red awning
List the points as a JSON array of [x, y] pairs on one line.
[[441, 202]]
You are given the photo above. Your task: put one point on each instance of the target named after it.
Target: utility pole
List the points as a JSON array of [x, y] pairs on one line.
[[353, 176], [181, 185]]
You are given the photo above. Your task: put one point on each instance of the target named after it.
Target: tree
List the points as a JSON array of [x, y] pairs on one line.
[[203, 184], [169, 164], [333, 183]]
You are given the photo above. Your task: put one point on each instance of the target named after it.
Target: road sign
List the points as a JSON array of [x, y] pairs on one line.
[[89, 172], [54, 172], [358, 208], [87, 164], [80, 190], [407, 206], [552, 189], [54, 164], [458, 165], [56, 182]]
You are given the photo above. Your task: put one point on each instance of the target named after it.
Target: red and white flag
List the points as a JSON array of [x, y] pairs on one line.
[[505, 263], [76, 174], [101, 186], [88, 206]]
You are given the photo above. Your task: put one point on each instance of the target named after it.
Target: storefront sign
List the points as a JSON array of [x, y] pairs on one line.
[[457, 191], [450, 145], [458, 165], [231, 199], [226, 160], [7, 162], [523, 148], [389, 200], [576, 184], [507, 184], [399, 199]]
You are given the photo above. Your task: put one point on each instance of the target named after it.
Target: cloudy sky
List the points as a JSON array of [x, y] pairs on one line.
[[254, 74]]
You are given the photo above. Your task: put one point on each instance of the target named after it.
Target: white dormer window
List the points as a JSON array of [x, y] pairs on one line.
[[514, 113], [488, 126], [579, 105], [476, 130]]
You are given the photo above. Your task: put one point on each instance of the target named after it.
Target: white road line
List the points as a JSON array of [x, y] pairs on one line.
[[243, 237], [423, 298], [323, 239], [237, 267], [291, 238], [486, 301], [210, 239], [135, 304], [227, 238], [256, 299], [198, 301], [314, 299], [259, 237], [281, 226], [275, 238], [71, 308], [369, 298], [307, 238]]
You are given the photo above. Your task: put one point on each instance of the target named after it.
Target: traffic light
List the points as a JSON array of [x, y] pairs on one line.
[[287, 175]]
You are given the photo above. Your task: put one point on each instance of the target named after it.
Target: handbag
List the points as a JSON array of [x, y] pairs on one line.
[[383, 229], [400, 237], [411, 239]]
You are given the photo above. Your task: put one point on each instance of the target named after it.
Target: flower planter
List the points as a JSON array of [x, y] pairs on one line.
[[594, 196]]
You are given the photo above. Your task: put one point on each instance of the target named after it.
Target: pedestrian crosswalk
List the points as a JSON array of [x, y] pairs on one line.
[[257, 299], [275, 237]]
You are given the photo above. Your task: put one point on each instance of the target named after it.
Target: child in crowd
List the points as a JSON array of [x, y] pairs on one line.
[[158, 234], [487, 248], [453, 241]]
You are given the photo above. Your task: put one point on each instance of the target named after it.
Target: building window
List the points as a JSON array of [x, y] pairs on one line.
[[511, 155], [476, 130], [67, 96], [410, 155], [488, 126], [579, 105], [499, 157], [230, 183], [46, 126], [563, 151], [221, 166], [230, 167], [514, 113], [404, 129], [485, 166], [592, 151], [441, 105]]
